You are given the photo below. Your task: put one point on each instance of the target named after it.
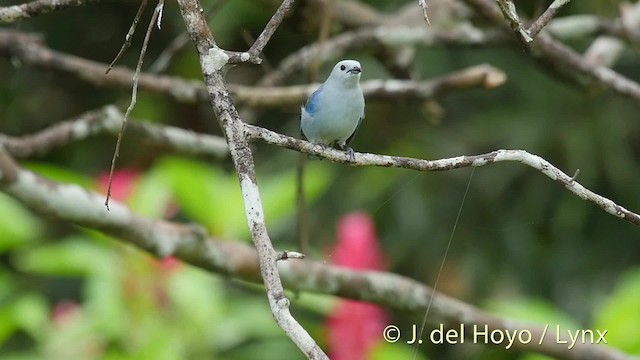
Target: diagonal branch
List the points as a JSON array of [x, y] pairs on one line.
[[11, 14], [546, 16], [365, 159], [73, 204], [270, 29]]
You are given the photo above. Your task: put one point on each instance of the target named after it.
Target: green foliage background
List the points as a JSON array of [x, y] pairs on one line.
[[524, 246]]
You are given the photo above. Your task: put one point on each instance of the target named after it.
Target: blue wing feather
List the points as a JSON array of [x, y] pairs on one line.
[[312, 102]]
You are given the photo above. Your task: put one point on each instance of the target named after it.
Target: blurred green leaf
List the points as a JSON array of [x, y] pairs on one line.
[[31, 314], [105, 301], [206, 194], [279, 191], [152, 195], [60, 174], [73, 256], [247, 320], [198, 296], [18, 226], [28, 313], [620, 314], [21, 356], [151, 108], [391, 351], [8, 325], [531, 310]]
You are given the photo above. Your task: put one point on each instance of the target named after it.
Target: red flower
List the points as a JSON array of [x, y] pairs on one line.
[[355, 327]]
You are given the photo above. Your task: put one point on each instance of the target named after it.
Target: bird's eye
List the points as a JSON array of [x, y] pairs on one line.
[[342, 67]]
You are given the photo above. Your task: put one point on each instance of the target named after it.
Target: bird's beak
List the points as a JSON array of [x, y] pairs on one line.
[[355, 70]]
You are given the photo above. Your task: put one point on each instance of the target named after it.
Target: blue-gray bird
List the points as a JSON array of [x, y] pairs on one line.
[[334, 112]]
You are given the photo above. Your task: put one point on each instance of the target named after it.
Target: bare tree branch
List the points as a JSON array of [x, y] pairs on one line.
[[127, 38], [546, 16], [510, 13], [73, 204], [30, 50], [270, 29], [212, 59], [365, 159], [108, 119], [11, 14], [564, 61], [423, 5]]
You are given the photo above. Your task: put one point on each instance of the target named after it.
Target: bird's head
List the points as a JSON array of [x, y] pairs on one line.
[[346, 72]]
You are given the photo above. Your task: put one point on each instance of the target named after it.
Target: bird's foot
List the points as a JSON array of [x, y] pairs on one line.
[[349, 151]]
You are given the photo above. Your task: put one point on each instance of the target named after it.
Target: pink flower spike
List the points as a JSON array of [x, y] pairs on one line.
[[354, 327], [358, 245]]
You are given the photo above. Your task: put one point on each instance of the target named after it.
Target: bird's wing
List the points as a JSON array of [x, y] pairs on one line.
[[312, 102], [356, 130]]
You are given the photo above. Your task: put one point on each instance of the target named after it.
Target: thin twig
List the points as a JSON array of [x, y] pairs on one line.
[[250, 40], [134, 93], [423, 5], [129, 36], [326, 20], [546, 17], [270, 28]]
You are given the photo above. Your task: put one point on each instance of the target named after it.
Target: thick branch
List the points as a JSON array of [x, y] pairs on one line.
[[212, 59], [109, 120], [11, 14], [73, 204], [30, 50], [365, 159]]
